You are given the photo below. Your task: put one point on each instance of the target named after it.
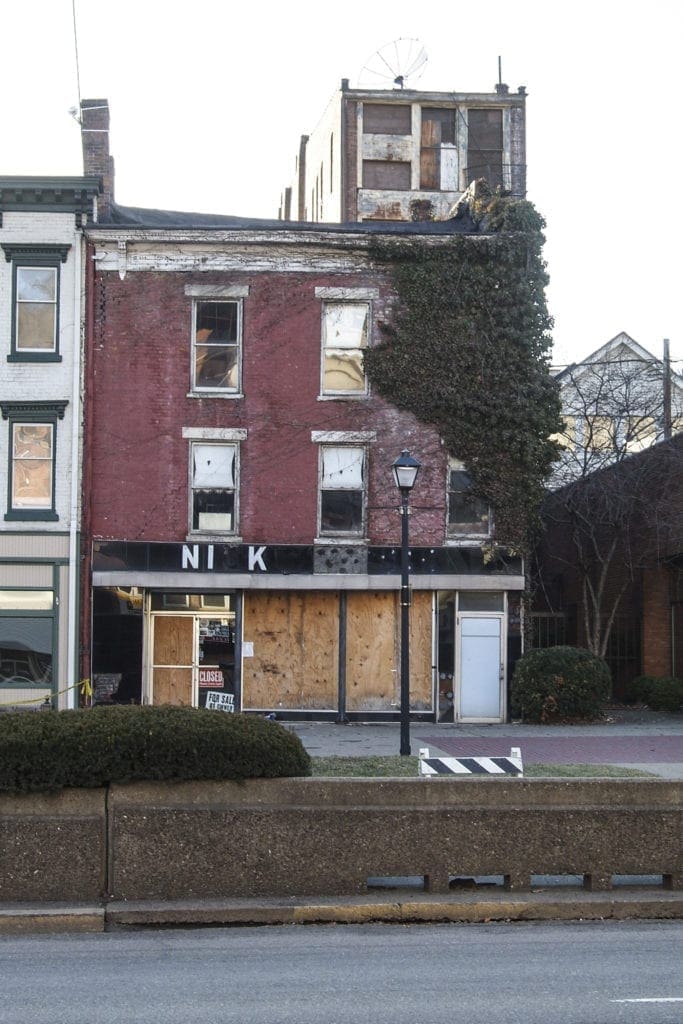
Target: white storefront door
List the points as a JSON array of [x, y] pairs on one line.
[[481, 668]]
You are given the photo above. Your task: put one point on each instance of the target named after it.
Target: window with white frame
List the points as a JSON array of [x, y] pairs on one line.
[[214, 470], [217, 342], [468, 515], [345, 334], [342, 490], [35, 310], [32, 456]]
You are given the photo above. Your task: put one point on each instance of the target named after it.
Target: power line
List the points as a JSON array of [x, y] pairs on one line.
[[78, 71]]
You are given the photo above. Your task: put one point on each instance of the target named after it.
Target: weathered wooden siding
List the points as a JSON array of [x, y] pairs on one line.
[[296, 643]]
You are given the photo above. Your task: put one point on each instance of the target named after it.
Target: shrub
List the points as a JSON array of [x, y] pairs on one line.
[[638, 689], [96, 746], [559, 683], [660, 693]]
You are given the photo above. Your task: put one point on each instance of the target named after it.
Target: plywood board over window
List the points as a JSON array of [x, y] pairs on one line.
[[386, 174], [172, 655], [386, 119], [295, 639], [373, 652]]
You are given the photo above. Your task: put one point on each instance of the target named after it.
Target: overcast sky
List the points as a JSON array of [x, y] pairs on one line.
[[208, 100]]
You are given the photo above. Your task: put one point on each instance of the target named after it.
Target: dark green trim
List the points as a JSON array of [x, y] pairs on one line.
[[32, 515], [32, 412], [54, 195], [50, 613], [34, 357], [42, 254], [27, 257], [38, 410], [31, 560]]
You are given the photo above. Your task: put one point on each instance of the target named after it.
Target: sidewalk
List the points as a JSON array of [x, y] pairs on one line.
[[643, 740]]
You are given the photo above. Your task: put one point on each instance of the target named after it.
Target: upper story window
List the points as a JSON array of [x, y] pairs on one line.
[[214, 479], [342, 490], [438, 158], [387, 119], [32, 457], [485, 145], [213, 488], [217, 338], [467, 514], [395, 175], [346, 319], [345, 336], [35, 301]]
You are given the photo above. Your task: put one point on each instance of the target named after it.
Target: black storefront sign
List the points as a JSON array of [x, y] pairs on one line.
[[296, 559]]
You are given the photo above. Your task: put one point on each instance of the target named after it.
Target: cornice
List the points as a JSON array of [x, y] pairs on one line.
[[54, 195], [37, 408], [34, 250]]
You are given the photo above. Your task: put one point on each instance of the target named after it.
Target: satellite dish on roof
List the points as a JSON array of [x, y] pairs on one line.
[[394, 65]]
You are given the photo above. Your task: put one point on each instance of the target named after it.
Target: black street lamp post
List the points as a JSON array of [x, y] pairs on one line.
[[405, 469]]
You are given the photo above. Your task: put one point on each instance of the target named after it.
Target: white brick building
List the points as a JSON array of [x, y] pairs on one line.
[[41, 316]]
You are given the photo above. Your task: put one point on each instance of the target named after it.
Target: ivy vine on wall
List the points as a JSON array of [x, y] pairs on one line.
[[467, 352]]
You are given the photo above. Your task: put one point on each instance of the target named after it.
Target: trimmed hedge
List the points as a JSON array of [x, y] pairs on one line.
[[559, 684], [660, 693], [51, 750]]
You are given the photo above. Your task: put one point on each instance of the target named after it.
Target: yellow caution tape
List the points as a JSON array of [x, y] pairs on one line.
[[85, 689]]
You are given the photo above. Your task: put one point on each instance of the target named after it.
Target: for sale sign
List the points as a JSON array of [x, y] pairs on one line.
[[217, 701]]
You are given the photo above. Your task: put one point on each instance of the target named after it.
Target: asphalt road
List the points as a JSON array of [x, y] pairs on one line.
[[582, 973]]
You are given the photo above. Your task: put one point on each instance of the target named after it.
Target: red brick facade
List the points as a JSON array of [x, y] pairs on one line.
[[139, 381]]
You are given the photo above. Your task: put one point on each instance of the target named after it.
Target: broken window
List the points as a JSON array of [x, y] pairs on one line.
[[386, 119], [386, 174], [438, 155], [342, 490], [217, 343], [485, 146], [214, 473], [345, 336], [467, 514]]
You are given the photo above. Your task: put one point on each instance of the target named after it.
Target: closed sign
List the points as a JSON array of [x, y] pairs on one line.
[[210, 675]]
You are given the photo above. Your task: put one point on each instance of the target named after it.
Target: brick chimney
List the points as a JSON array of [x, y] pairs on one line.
[[96, 158]]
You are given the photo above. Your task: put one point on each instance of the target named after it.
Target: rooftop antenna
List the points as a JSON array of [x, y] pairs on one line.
[[394, 65]]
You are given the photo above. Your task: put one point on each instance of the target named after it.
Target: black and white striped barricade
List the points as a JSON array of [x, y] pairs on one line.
[[511, 765]]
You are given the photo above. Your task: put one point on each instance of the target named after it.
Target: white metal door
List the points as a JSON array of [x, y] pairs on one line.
[[481, 668]]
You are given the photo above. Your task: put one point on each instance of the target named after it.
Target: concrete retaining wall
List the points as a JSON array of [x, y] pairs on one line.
[[289, 837], [53, 845]]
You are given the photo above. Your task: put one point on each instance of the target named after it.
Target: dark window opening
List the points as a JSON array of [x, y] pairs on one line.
[[485, 146], [117, 645]]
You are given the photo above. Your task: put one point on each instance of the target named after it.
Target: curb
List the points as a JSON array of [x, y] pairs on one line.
[[24, 919]]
